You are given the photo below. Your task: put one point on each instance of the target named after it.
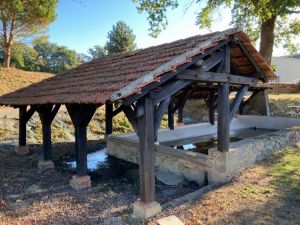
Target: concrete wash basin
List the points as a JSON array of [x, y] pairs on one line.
[[215, 166]]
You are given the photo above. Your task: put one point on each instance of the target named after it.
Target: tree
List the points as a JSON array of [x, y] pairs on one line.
[[54, 58], [97, 52], [120, 39], [267, 20], [21, 19]]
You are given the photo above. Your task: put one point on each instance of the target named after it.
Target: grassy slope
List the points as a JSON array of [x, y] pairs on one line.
[[13, 79]]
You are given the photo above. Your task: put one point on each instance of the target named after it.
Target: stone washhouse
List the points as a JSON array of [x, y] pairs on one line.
[[145, 84]]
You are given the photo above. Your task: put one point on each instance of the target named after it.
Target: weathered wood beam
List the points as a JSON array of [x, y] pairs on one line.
[[212, 61], [47, 114], [223, 117], [118, 110], [24, 117], [131, 116], [169, 90], [81, 115], [238, 100], [159, 113], [251, 60], [254, 93], [216, 77], [224, 107], [145, 90], [211, 107], [171, 116], [108, 118], [146, 152]]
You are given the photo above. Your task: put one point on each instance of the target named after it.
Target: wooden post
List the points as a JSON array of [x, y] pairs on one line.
[[108, 118], [22, 126], [170, 116], [211, 109], [146, 152], [47, 114], [224, 108], [24, 116], [81, 115], [223, 117], [180, 114]]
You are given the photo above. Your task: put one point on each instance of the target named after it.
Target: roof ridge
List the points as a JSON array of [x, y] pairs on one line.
[[167, 67]]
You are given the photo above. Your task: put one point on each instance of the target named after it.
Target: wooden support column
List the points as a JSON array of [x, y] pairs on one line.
[[81, 115], [171, 116], [24, 116], [47, 114], [146, 152], [223, 117], [108, 118], [146, 206], [211, 109], [223, 108]]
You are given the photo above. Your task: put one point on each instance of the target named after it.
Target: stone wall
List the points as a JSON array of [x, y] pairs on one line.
[[217, 166], [191, 165], [245, 153]]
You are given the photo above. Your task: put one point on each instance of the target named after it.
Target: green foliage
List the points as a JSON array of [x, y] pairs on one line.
[[24, 57], [54, 58], [246, 14], [97, 52], [156, 10], [22, 19], [120, 39]]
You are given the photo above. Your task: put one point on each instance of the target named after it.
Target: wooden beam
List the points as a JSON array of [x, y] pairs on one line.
[[171, 116], [47, 114], [159, 113], [223, 117], [211, 107], [169, 90], [24, 117], [131, 116], [108, 118], [216, 77], [238, 100], [81, 115], [146, 89], [146, 152], [223, 108], [212, 61], [251, 60]]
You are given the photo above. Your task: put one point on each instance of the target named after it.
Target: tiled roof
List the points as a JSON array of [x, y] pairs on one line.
[[99, 80]]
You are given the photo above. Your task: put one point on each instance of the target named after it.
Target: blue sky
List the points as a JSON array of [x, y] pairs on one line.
[[81, 24]]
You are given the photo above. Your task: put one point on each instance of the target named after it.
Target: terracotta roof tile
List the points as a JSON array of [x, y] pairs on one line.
[[99, 80]]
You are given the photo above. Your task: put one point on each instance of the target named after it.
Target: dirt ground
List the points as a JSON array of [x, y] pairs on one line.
[[268, 193]]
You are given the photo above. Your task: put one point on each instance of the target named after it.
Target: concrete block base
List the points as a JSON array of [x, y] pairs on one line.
[[78, 182], [144, 211], [22, 150], [45, 165]]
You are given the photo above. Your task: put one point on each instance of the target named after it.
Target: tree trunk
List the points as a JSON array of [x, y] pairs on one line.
[[7, 55], [266, 50], [267, 39]]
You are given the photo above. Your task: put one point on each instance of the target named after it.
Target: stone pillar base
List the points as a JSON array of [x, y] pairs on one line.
[[145, 210], [22, 150], [80, 182], [45, 165]]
